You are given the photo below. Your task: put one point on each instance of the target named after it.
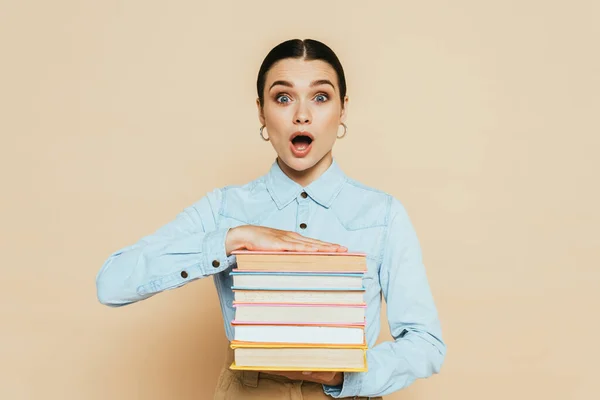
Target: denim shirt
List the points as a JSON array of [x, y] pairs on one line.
[[337, 209]]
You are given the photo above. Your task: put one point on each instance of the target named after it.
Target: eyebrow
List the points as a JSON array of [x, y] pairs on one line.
[[313, 83]]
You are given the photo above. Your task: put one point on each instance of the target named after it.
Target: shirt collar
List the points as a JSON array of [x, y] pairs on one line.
[[323, 190]]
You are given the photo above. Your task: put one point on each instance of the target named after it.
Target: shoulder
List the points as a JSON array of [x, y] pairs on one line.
[[217, 199], [247, 202], [363, 206], [245, 191]]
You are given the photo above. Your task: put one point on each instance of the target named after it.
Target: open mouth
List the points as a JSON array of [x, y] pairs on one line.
[[301, 142]]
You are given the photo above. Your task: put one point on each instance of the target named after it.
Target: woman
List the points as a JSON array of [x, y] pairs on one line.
[[304, 203]]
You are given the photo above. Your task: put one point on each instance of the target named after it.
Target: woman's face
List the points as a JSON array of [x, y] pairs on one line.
[[302, 111]]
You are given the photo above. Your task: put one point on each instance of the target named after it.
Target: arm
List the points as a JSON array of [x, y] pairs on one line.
[[417, 350], [187, 248]]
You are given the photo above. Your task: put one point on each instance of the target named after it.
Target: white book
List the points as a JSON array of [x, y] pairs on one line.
[[297, 296], [299, 334], [273, 280], [299, 314]]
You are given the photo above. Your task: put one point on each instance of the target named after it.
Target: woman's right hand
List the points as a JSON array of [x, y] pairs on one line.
[[261, 238]]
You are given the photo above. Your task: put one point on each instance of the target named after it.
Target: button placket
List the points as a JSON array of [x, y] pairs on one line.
[[303, 212]]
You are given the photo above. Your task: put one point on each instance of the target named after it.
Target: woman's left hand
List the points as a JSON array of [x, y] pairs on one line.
[[323, 377]]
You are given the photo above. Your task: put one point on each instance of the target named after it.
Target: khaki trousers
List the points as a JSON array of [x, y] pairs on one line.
[[253, 385]]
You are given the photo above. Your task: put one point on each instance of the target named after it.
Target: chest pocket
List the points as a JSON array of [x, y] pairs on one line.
[[364, 215], [245, 206]]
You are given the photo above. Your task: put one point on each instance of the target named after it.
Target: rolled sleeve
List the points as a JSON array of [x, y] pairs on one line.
[[190, 247], [215, 257], [417, 350], [350, 387]]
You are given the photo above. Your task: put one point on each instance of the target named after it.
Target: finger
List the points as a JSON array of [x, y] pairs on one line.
[[276, 244], [318, 243], [294, 245], [323, 377], [284, 235], [305, 247], [324, 248], [312, 240], [327, 245], [310, 243], [321, 374]]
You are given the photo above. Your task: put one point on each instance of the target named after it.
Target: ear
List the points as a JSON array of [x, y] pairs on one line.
[[261, 116], [344, 112]]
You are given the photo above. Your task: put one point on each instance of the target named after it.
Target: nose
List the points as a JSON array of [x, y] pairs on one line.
[[302, 115]]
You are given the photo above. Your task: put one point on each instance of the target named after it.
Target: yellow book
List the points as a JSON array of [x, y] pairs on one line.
[[298, 357]]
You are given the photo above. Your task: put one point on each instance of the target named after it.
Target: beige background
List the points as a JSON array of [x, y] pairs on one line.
[[481, 118]]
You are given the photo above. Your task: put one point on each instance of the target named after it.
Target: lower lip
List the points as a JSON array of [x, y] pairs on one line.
[[300, 153]]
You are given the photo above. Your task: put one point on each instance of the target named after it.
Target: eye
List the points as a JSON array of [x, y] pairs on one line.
[[282, 98], [321, 98]]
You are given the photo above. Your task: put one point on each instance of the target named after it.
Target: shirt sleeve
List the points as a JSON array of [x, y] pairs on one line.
[[417, 350], [188, 248]]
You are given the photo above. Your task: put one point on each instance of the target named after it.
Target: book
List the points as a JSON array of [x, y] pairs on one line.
[[324, 334], [300, 358], [281, 313], [300, 261], [298, 296], [299, 311], [294, 281]]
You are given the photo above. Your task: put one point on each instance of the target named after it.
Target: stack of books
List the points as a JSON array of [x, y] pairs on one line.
[[299, 311]]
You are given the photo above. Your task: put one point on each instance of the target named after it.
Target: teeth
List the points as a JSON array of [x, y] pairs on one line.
[[301, 147]]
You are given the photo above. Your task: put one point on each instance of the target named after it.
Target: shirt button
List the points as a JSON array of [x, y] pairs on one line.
[[303, 226], [216, 263], [184, 274], [304, 195]]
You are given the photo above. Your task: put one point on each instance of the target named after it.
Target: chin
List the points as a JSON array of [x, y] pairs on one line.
[[299, 164]]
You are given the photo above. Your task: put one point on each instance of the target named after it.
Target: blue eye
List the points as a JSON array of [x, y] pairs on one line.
[[321, 96], [283, 97]]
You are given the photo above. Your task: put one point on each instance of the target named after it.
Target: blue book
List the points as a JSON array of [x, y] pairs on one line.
[[245, 280]]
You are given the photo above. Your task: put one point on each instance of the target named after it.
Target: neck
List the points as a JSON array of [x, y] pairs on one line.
[[307, 176]]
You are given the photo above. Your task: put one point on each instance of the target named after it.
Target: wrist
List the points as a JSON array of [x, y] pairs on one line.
[[336, 380], [234, 240], [339, 379]]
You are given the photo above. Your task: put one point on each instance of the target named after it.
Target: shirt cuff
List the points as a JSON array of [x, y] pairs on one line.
[[215, 258], [350, 387]]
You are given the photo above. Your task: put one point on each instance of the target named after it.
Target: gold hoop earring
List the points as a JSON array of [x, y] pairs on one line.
[[261, 134], [345, 131]]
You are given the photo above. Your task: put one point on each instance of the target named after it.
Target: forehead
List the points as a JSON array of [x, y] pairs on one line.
[[300, 72]]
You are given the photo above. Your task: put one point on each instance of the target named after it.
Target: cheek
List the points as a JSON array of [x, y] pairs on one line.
[[331, 123], [278, 141], [330, 116], [277, 118]]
